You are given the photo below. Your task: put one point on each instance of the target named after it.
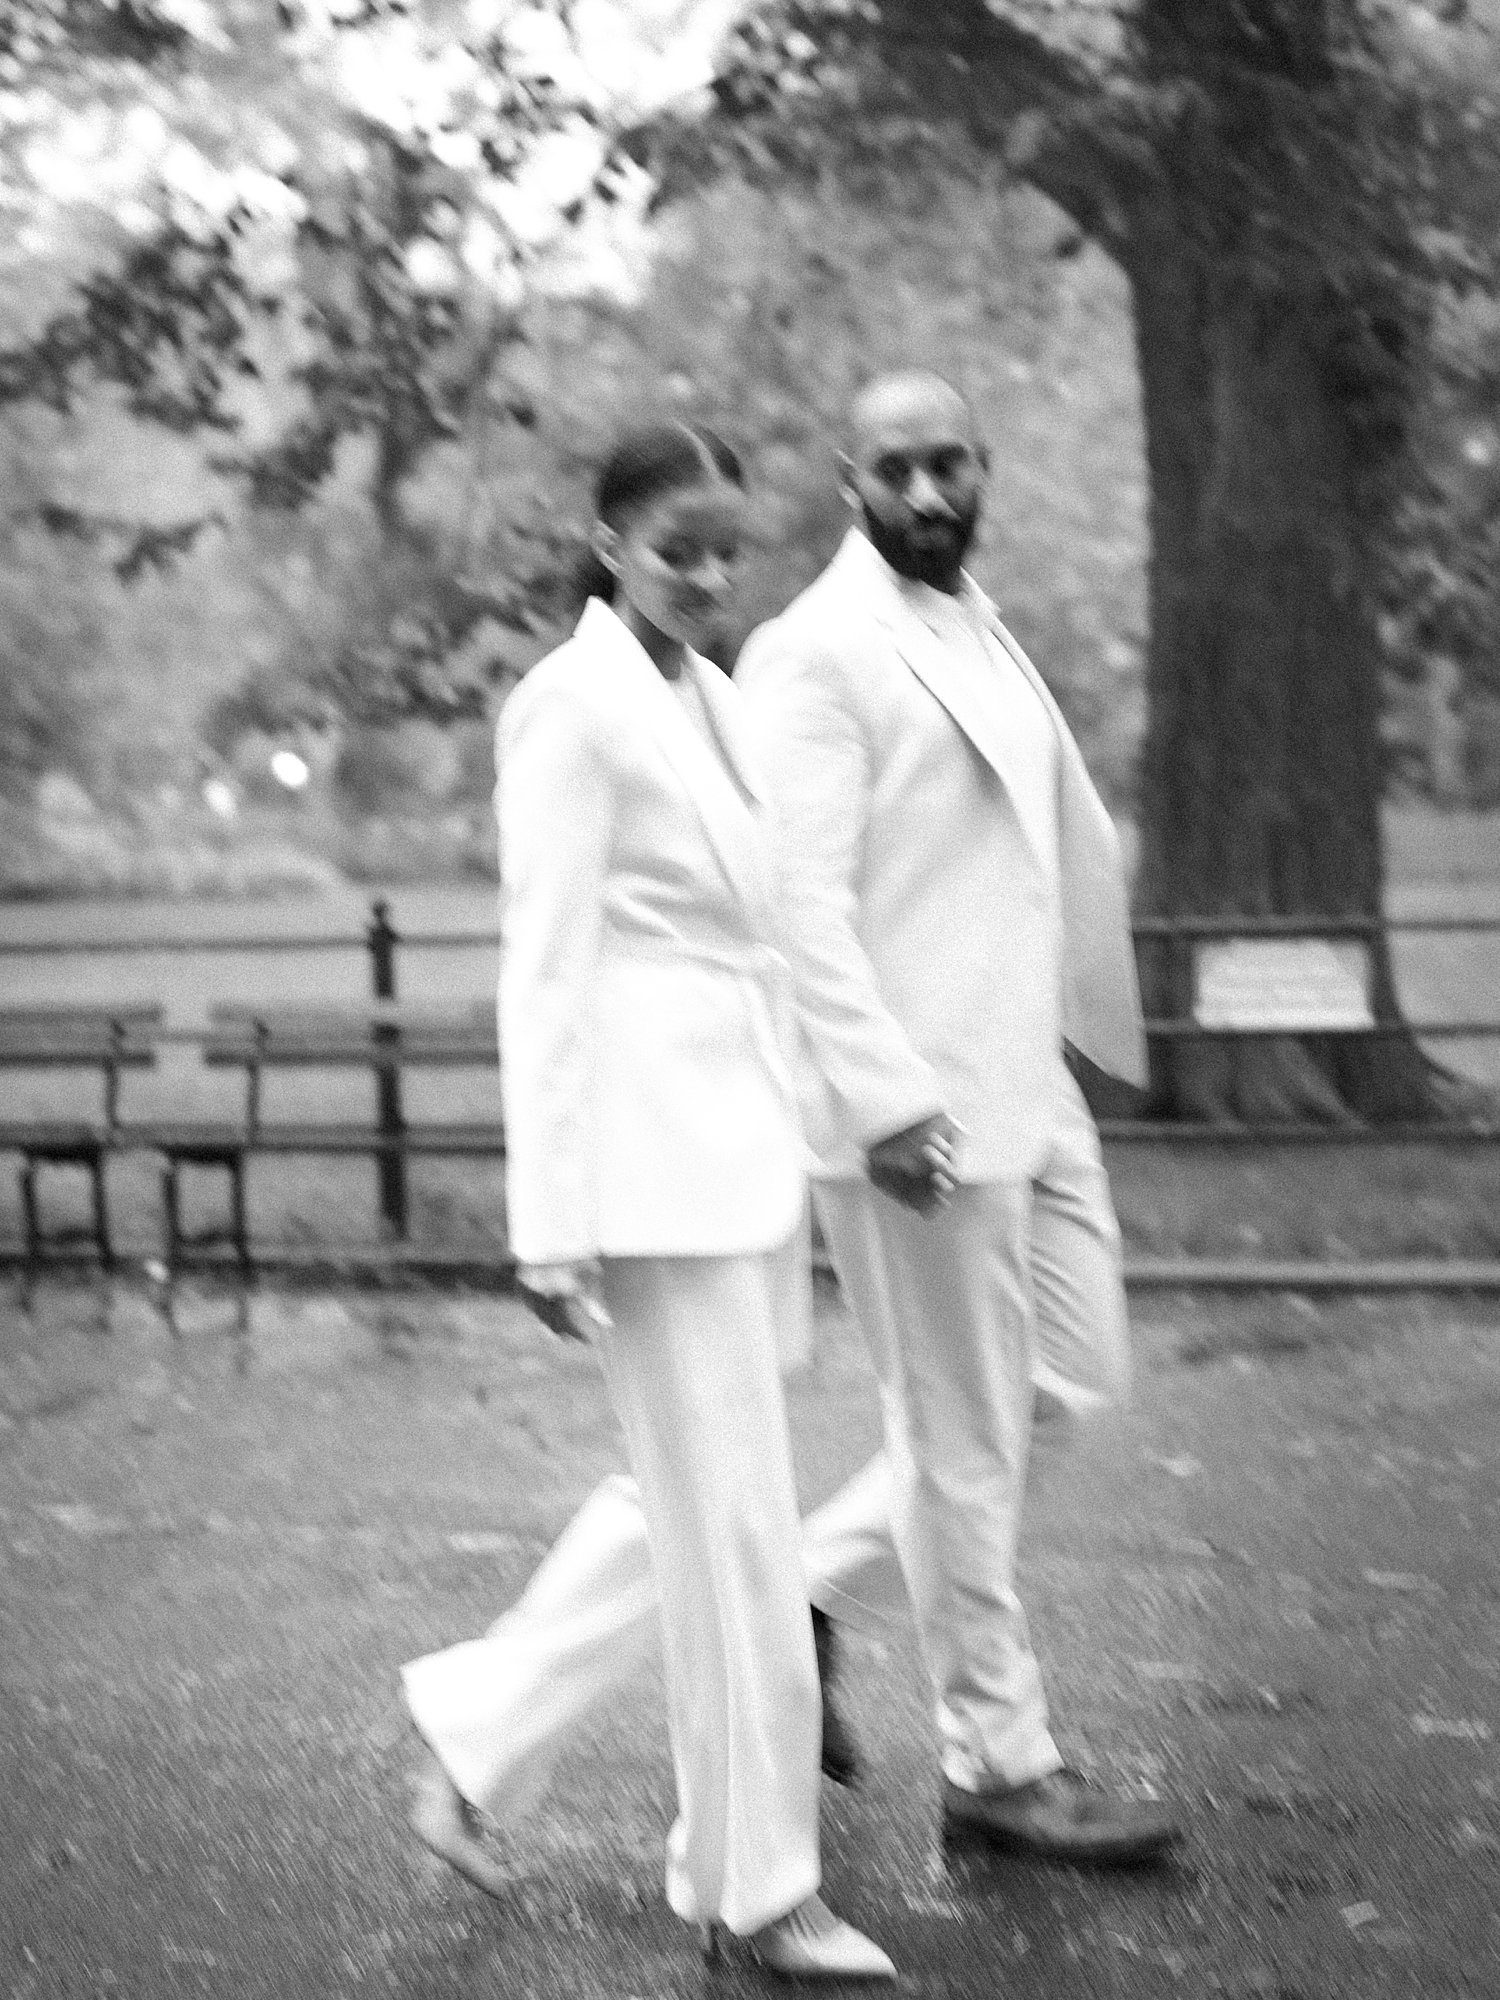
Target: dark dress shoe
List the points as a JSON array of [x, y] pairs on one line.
[[841, 1760], [1061, 1818]]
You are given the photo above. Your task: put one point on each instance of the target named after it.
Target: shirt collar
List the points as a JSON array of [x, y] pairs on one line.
[[936, 608]]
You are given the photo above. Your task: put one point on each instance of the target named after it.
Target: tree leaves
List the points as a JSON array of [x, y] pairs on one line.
[[168, 327], [139, 547], [379, 180], [37, 33]]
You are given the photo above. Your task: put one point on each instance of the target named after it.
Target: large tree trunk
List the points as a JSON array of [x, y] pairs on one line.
[[1273, 336], [1260, 782]]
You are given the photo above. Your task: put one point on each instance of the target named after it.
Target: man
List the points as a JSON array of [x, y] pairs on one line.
[[956, 909]]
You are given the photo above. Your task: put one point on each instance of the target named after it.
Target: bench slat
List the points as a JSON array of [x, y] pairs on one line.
[[50, 1056], [378, 1038], [32, 1135], [139, 1014], [350, 1055], [374, 1013], [43, 1036], [485, 1141]]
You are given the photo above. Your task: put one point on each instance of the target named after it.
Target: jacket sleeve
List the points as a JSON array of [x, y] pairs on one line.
[[554, 804], [814, 750]]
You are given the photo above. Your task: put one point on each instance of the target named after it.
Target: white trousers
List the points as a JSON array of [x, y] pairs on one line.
[[499, 1710], [1015, 1284], [707, 1532]]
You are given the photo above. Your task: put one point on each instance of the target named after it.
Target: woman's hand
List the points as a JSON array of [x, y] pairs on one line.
[[568, 1298]]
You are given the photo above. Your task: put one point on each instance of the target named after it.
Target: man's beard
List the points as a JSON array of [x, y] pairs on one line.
[[938, 562]]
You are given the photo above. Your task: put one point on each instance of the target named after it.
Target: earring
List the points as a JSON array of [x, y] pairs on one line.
[[606, 545]]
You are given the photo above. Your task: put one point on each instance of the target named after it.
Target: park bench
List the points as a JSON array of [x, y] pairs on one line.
[[109, 1040], [380, 1038]]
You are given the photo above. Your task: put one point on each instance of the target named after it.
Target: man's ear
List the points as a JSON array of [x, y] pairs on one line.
[[606, 545], [982, 453], [848, 491]]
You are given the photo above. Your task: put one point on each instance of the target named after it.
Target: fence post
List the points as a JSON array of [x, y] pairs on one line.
[[382, 938]]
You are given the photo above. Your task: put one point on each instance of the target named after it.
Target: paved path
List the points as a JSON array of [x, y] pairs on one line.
[[1273, 1593]]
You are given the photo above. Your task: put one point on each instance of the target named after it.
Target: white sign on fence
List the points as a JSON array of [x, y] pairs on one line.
[[1282, 985]]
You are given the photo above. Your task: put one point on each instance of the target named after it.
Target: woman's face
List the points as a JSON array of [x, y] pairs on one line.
[[676, 560]]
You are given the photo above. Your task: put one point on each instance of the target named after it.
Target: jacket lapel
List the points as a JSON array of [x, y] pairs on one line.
[[1034, 680], [728, 821], [1081, 810], [929, 659], [1102, 1010], [932, 663], [1102, 1014], [945, 680], [720, 699]]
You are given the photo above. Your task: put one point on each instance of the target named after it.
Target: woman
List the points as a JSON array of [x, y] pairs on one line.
[[655, 1174]]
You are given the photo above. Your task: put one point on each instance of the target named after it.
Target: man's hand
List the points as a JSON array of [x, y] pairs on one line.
[[568, 1298], [916, 1166]]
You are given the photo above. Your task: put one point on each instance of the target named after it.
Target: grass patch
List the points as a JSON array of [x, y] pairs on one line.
[[1202, 1329], [1354, 1202]]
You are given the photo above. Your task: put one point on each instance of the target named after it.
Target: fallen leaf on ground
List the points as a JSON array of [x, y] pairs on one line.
[[1462, 1729], [923, 1905], [85, 1520], [480, 1542], [1185, 1545], [1398, 1579]]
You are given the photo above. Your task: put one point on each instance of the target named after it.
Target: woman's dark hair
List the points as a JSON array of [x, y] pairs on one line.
[[656, 459]]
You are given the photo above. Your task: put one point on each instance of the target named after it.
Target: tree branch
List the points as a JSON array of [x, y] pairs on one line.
[[888, 84], [1075, 128]]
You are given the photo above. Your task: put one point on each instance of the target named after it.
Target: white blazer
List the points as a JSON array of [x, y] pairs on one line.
[[934, 967], [650, 1108]]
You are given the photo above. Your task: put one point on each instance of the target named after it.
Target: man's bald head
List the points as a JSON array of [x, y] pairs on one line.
[[915, 474], [908, 399]]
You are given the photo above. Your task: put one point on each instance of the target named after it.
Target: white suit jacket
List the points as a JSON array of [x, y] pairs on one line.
[[650, 1108], [935, 968]]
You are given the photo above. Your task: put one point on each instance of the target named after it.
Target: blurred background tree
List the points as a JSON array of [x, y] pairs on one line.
[[322, 365]]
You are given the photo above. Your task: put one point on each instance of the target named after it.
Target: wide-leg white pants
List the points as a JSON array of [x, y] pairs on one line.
[[500, 1709], [692, 1370], [1014, 1284]]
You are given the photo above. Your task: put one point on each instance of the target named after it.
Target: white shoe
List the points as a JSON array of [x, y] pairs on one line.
[[445, 1823], [810, 1942]]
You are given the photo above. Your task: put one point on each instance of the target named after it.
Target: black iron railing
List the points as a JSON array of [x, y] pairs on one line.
[[386, 949]]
